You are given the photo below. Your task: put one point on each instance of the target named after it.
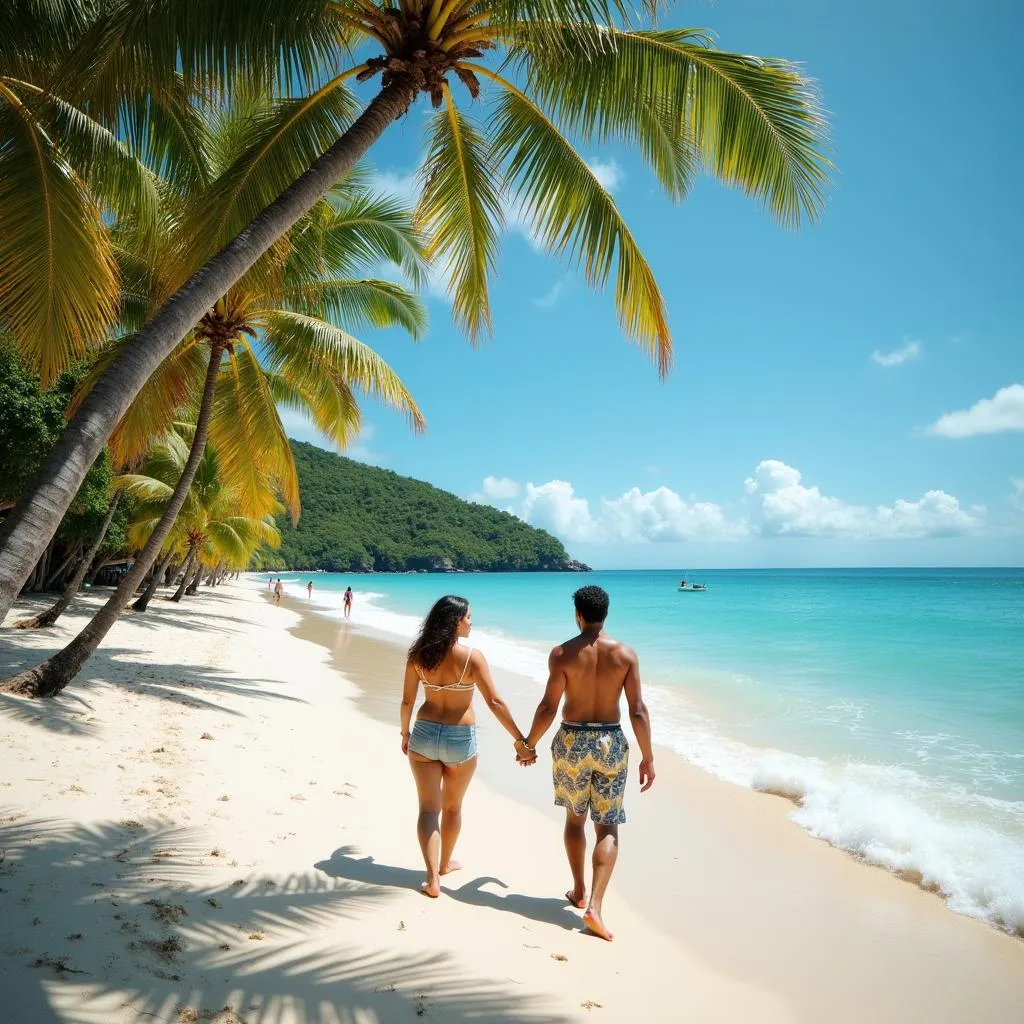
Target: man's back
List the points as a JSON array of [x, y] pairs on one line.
[[596, 669]]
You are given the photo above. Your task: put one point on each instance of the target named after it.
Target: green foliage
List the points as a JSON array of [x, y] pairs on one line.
[[357, 517], [32, 421]]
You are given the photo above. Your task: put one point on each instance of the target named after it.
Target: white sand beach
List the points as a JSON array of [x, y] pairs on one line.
[[215, 823]]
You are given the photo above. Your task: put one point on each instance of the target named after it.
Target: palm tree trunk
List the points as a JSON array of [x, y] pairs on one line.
[[56, 672], [197, 576], [34, 520], [56, 610], [185, 573], [155, 579]]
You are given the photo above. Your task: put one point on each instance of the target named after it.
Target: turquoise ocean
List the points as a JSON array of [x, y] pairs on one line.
[[887, 703]]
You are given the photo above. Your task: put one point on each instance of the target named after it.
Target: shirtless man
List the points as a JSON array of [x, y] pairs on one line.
[[589, 754]]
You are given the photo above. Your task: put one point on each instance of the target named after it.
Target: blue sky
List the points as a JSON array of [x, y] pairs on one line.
[[803, 423]]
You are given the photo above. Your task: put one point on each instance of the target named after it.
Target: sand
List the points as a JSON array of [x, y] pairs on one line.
[[215, 823]]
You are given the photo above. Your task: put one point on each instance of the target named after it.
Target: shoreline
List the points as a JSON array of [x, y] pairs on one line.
[[113, 798], [834, 799]]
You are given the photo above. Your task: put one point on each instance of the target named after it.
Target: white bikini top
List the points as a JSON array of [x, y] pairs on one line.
[[459, 685]]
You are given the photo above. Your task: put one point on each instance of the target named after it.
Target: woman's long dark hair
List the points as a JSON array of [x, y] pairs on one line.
[[439, 631]]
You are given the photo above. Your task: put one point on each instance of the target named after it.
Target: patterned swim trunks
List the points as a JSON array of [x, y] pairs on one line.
[[589, 762]]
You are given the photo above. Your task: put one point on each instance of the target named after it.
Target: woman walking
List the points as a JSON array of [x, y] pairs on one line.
[[442, 744]]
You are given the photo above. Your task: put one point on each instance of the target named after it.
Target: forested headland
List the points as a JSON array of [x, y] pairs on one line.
[[361, 518]]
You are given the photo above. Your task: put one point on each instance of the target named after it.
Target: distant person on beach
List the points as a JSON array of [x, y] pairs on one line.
[[278, 590], [589, 754], [441, 746], [309, 590], [348, 602]]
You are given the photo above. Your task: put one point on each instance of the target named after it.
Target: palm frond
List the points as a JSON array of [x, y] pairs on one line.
[[573, 215], [561, 27], [278, 44], [144, 487], [271, 147], [113, 174], [461, 210], [351, 304], [364, 230], [58, 278], [307, 351], [756, 122], [169, 390], [167, 130], [328, 404], [252, 448]]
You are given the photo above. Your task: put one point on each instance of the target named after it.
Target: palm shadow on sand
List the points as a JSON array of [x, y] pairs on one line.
[[344, 863]]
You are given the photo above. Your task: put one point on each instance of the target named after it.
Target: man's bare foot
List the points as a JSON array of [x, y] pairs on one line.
[[578, 898], [431, 888], [452, 865], [592, 919]]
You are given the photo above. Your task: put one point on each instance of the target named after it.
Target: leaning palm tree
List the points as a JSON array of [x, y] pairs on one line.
[[245, 355], [552, 73]]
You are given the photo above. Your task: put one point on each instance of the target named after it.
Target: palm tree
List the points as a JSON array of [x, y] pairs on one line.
[[215, 524], [555, 70], [252, 357]]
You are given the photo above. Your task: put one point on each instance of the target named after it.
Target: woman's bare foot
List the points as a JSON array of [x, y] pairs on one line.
[[592, 919], [578, 898], [431, 888], [452, 865]]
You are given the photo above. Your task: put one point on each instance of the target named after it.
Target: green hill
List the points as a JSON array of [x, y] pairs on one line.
[[357, 517]]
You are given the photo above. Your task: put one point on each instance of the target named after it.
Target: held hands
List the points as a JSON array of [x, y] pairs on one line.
[[646, 775], [525, 755]]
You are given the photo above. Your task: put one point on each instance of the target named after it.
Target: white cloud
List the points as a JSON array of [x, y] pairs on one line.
[[608, 173], [911, 350], [555, 507], [496, 488], [1002, 412], [551, 296], [780, 505], [662, 515], [785, 506], [403, 185], [635, 517]]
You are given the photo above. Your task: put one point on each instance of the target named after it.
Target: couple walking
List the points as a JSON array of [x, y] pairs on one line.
[[589, 754]]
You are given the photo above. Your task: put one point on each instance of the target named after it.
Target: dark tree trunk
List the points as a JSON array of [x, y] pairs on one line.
[[101, 563], [34, 520], [57, 574], [191, 589], [56, 672], [185, 573], [156, 578], [49, 617]]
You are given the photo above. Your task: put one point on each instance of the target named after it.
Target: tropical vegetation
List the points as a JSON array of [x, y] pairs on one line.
[[364, 519]]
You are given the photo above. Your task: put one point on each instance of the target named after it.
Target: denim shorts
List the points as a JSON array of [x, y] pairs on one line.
[[449, 744]]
